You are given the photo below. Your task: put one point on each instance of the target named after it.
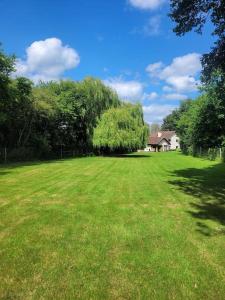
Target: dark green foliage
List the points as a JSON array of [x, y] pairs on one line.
[[200, 123], [17, 112], [202, 126], [78, 106], [44, 119], [121, 130], [53, 114], [6, 67], [170, 121]]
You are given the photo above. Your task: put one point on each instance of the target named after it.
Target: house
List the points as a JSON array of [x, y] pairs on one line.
[[163, 141]]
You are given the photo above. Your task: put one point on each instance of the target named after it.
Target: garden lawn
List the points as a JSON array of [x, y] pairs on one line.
[[142, 226]]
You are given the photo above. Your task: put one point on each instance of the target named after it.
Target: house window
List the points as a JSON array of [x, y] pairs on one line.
[[177, 140]]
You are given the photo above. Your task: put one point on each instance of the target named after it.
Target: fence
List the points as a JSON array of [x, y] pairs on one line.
[[60, 152], [28, 153], [210, 153]]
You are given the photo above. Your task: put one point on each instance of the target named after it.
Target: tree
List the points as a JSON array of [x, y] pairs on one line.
[[201, 122], [193, 14], [121, 129], [6, 67], [76, 108], [187, 115], [50, 115], [170, 121], [209, 124]]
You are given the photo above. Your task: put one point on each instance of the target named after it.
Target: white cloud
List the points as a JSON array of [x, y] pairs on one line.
[[127, 90], [152, 27], [151, 96], [175, 96], [180, 74], [155, 69], [167, 88], [47, 60], [155, 113], [146, 4], [183, 65], [183, 83]]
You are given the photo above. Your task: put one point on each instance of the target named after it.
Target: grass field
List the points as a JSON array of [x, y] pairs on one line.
[[144, 226]]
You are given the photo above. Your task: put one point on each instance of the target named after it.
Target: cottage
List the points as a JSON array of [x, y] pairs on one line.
[[163, 141]]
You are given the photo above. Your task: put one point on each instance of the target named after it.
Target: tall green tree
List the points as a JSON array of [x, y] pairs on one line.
[[77, 106], [6, 68], [170, 121], [210, 120], [201, 122], [121, 129], [50, 115]]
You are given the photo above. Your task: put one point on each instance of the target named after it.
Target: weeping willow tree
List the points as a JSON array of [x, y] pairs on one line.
[[121, 129], [77, 108]]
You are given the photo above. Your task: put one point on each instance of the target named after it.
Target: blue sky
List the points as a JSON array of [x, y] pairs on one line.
[[129, 44]]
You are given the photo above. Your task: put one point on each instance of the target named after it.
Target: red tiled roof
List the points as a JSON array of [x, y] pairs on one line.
[[155, 140], [167, 134]]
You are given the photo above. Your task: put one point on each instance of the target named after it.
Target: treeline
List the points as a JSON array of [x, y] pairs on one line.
[[200, 123], [38, 120]]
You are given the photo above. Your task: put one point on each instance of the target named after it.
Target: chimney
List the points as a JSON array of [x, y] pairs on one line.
[[159, 134]]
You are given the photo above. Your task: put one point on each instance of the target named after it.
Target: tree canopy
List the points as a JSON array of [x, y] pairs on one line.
[[121, 129], [200, 123], [48, 116]]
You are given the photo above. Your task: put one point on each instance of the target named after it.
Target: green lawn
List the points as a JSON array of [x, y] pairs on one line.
[[144, 226]]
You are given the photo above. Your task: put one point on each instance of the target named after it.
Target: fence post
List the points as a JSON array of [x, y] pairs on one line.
[[5, 154], [61, 152]]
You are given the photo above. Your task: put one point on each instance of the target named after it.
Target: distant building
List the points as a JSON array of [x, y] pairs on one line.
[[163, 141]]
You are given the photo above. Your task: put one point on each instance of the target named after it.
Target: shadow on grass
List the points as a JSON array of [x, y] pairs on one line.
[[5, 168], [3, 172], [208, 186]]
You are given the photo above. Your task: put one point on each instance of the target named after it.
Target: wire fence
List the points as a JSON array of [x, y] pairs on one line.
[[60, 152], [210, 153], [28, 154]]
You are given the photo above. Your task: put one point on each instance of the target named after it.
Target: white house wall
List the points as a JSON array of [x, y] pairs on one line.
[[174, 142]]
